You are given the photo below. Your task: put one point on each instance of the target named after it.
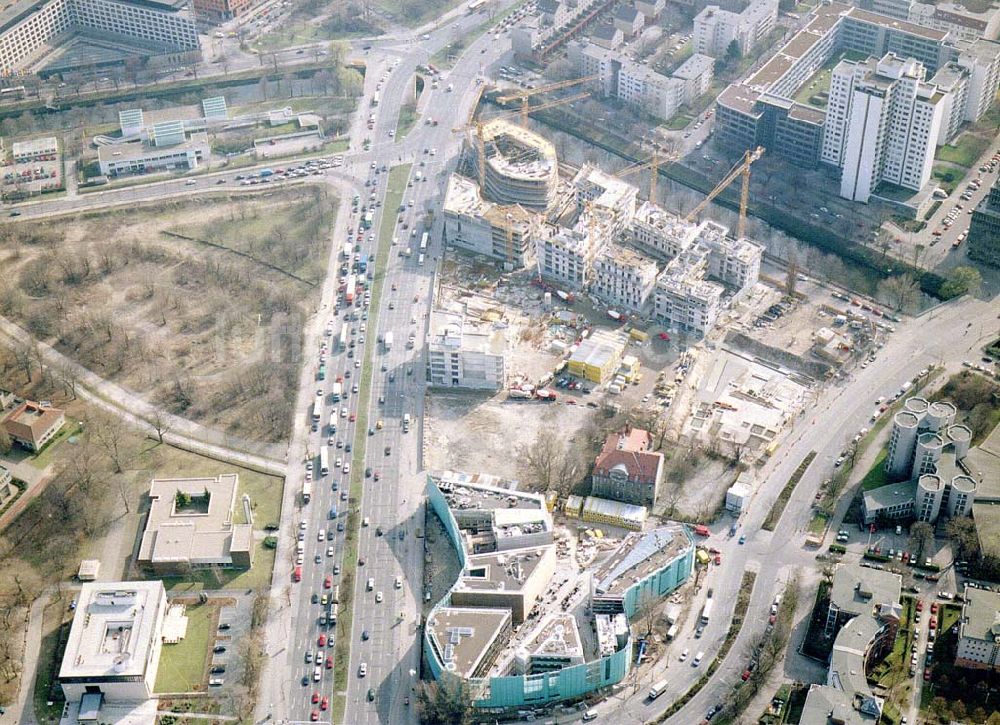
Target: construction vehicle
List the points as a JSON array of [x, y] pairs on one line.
[[741, 169]]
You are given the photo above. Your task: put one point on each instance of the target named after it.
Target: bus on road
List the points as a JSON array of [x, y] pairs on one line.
[[324, 460], [423, 242], [317, 410]]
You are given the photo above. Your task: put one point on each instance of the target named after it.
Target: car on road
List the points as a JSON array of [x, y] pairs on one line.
[[371, 694], [743, 539], [364, 635], [363, 669], [378, 597], [315, 598], [321, 641], [218, 649], [329, 662], [327, 582]]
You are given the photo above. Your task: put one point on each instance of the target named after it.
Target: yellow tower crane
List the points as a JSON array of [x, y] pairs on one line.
[[527, 93], [741, 169], [653, 164]]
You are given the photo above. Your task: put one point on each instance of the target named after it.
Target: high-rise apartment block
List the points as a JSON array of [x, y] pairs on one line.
[[882, 124]]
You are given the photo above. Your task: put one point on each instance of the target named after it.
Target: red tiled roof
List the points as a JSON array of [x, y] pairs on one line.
[[631, 449]]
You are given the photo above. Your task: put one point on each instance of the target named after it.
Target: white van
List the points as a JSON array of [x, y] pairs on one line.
[[697, 659], [420, 261], [672, 632], [371, 583], [589, 715]]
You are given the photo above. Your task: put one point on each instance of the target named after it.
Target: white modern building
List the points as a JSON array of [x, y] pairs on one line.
[[30, 28], [623, 278], [139, 157], [613, 199], [113, 650], [617, 76], [958, 21], [461, 354], [504, 233], [685, 300], [715, 29], [979, 631], [882, 125], [566, 256]]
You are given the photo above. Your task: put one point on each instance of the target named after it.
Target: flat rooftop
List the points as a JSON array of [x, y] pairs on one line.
[[884, 21], [502, 572], [559, 637], [481, 492], [638, 556], [114, 628], [981, 615], [462, 635], [452, 329], [857, 589], [139, 150]]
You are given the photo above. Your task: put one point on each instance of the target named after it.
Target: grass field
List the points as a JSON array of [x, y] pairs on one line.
[[182, 665], [966, 152], [407, 120], [396, 187], [876, 474]]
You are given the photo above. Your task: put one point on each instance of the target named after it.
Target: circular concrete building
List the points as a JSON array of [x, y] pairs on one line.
[[520, 166], [940, 414], [902, 441]]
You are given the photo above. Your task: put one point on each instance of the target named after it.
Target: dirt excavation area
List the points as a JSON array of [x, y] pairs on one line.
[[197, 304]]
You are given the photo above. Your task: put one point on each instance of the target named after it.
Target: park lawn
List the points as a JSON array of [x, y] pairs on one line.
[[876, 475], [678, 122], [817, 525], [407, 120], [182, 665], [966, 152]]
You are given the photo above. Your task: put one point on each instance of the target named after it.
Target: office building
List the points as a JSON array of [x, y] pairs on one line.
[[192, 524], [623, 278], [628, 20], [984, 229], [927, 456], [461, 354], [979, 631], [480, 630], [31, 425], [882, 125], [139, 157], [113, 650], [503, 233], [761, 111], [628, 469], [520, 166], [30, 29], [863, 616], [715, 29]]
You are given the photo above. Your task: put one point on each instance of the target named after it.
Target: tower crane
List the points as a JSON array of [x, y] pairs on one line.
[[524, 95], [653, 164], [741, 169]]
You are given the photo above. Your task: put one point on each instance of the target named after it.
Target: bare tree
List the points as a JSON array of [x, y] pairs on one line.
[[792, 275], [24, 356], [159, 423], [112, 436], [549, 463]]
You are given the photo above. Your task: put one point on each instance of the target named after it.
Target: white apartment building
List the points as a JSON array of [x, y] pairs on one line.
[[715, 28], [653, 92], [735, 262], [982, 58], [623, 278], [26, 28], [663, 234], [979, 631], [684, 300], [957, 20], [883, 122], [566, 256], [113, 650], [463, 355], [619, 77], [953, 81], [612, 198], [504, 233]]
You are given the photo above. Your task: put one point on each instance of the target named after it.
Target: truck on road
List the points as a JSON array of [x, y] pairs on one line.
[[387, 341], [706, 611]]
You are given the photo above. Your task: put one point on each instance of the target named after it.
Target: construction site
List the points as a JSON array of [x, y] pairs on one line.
[[600, 306]]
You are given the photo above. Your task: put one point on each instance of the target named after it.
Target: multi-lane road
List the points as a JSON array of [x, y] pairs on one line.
[[384, 643]]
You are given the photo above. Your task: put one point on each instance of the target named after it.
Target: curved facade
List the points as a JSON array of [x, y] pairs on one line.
[[940, 414], [902, 440], [520, 166], [928, 453], [512, 691]]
